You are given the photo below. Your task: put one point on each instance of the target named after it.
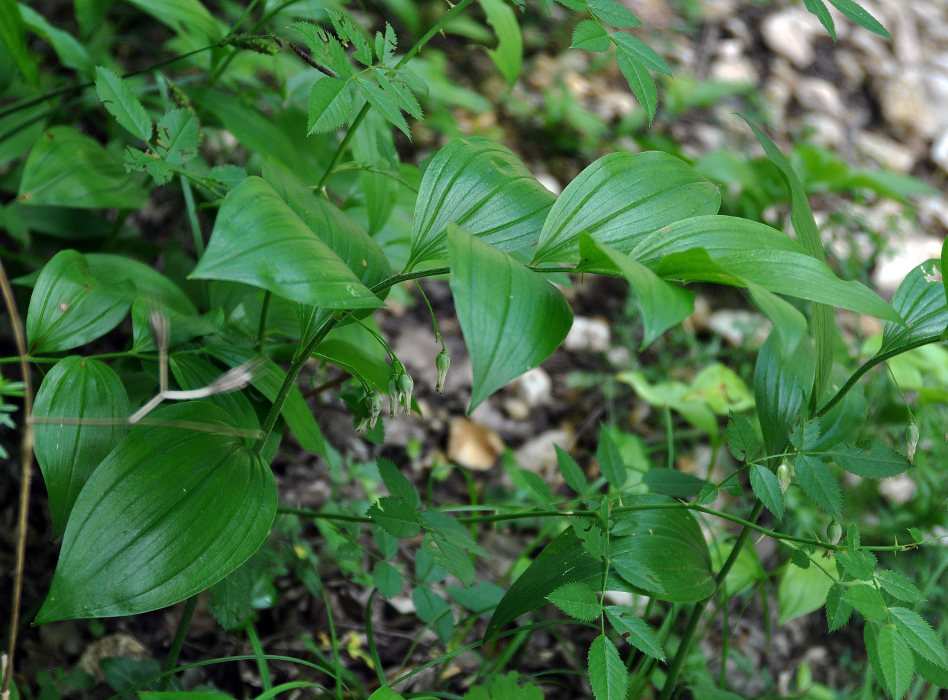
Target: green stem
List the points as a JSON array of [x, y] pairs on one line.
[[175, 649], [265, 680], [262, 329], [696, 612]]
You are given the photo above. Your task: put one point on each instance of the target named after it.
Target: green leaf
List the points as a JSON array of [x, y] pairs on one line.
[[802, 591], [448, 543], [13, 36], [122, 104], [70, 51], [874, 461], [628, 564], [186, 17], [387, 579], [267, 379], [894, 658], [838, 611], [577, 600], [766, 487], [920, 300], [223, 497], [641, 83], [671, 482], [867, 601], [508, 56], [67, 169], [640, 635], [396, 516], [572, 474], [480, 598], [610, 459], [607, 674], [860, 16], [819, 483], [858, 563], [433, 609], [743, 440], [935, 674], [818, 8], [81, 389], [259, 240], [640, 52], [385, 101], [397, 484], [385, 693], [179, 137], [483, 188], [661, 304], [614, 13], [621, 198], [590, 36], [919, 635], [789, 323], [512, 319], [70, 307], [191, 371], [899, 586], [779, 385], [330, 104]]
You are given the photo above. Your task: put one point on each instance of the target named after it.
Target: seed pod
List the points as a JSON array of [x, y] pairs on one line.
[[442, 362], [834, 532], [405, 386], [911, 441], [784, 475]]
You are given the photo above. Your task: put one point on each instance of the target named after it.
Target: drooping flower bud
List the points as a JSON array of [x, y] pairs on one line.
[[373, 405], [784, 476], [911, 441], [442, 362], [406, 385], [834, 532]]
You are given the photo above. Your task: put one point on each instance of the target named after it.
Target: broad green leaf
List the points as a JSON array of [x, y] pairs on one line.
[[919, 635], [614, 13], [512, 319], [508, 56], [640, 635], [610, 459], [571, 472], [874, 461], [802, 591], [69, 50], [480, 598], [920, 300], [67, 169], [838, 611], [267, 379], [780, 383], [819, 483], [191, 371], [818, 8], [899, 586], [223, 498], [385, 693], [387, 579], [381, 185], [70, 306], [259, 240], [396, 516], [661, 304], [640, 81], [675, 396], [179, 137], [936, 674], [148, 283], [767, 489], [867, 601], [590, 36], [607, 674], [860, 16], [621, 198], [671, 482], [355, 349], [787, 320], [13, 36], [577, 600], [894, 657], [76, 389], [122, 103], [483, 188], [743, 440], [183, 16], [330, 104]]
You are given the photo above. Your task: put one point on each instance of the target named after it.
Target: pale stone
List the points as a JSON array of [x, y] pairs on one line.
[[534, 388], [790, 33], [539, 454], [885, 151], [939, 152], [820, 96], [898, 489], [905, 255], [588, 335], [473, 445], [905, 104]]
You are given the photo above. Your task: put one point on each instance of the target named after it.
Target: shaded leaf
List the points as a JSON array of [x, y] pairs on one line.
[[508, 55], [894, 659], [614, 13], [766, 487], [179, 137], [802, 591], [819, 483], [577, 600], [640, 635], [899, 586], [122, 103], [671, 482], [867, 601], [743, 440], [330, 103], [874, 461], [641, 83], [607, 674], [920, 300], [860, 16], [920, 636], [838, 611]]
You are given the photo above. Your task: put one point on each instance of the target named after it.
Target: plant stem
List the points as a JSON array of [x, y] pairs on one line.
[[174, 651], [261, 331], [26, 477], [265, 680], [698, 610]]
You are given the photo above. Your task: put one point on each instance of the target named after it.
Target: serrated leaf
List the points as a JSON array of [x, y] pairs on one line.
[[631, 568], [858, 563], [590, 532], [80, 389], [387, 579], [590, 36], [743, 440], [512, 319], [867, 601], [121, 103], [860, 16], [480, 598], [451, 557], [818, 8], [223, 496], [640, 635], [802, 591], [577, 600], [607, 674], [935, 674], [640, 52], [819, 483], [397, 483], [386, 103], [572, 474], [396, 516], [874, 461], [899, 586], [766, 487], [433, 609], [919, 635], [838, 611], [614, 13], [895, 660], [640, 81], [330, 104], [483, 188], [179, 137]]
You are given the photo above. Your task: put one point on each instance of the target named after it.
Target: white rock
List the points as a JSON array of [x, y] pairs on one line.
[[906, 105], [898, 489], [588, 335], [534, 387], [539, 454], [902, 258], [790, 33], [939, 152], [885, 151], [820, 95]]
